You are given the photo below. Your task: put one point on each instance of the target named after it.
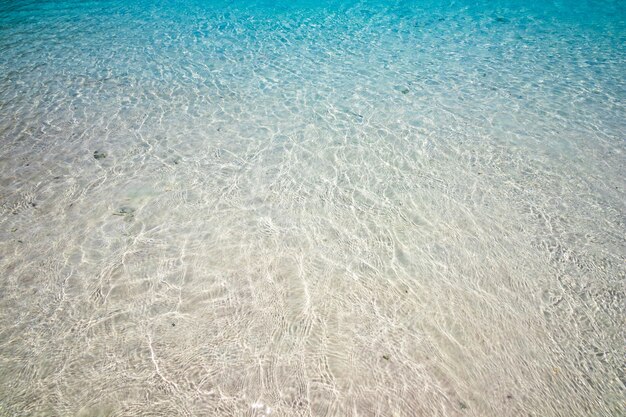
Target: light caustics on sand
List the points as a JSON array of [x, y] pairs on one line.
[[272, 208]]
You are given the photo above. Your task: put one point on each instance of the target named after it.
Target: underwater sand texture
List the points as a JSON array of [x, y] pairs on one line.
[[264, 208]]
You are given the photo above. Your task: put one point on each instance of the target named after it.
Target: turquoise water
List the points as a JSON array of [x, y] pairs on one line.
[[312, 208]]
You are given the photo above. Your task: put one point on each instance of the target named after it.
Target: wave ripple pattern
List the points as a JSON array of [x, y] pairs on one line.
[[312, 208]]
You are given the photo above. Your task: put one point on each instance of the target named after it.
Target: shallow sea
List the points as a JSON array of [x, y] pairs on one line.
[[312, 208]]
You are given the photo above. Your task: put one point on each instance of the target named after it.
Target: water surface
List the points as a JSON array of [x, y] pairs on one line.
[[312, 208]]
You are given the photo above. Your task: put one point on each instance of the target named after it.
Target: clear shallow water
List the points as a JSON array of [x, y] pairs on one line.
[[305, 208]]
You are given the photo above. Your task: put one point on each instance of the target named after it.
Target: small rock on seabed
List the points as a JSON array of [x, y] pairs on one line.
[[125, 211]]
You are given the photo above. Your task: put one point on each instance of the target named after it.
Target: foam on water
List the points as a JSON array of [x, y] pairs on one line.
[[372, 208]]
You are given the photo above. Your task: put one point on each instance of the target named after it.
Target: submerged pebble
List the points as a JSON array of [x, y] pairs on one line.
[[402, 89], [125, 211]]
